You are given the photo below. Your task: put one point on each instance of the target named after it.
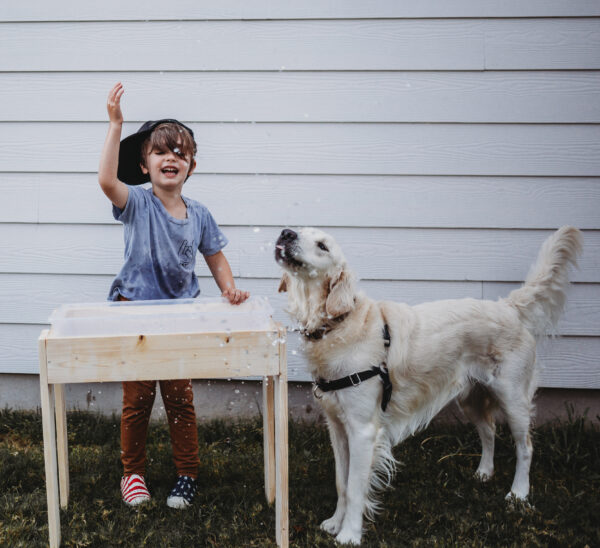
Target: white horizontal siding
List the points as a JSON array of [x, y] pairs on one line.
[[237, 45], [582, 311], [377, 254], [151, 10], [440, 142], [424, 96], [328, 200], [30, 298], [400, 44], [432, 149]]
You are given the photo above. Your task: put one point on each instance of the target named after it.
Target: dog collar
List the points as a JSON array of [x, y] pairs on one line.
[[320, 332]]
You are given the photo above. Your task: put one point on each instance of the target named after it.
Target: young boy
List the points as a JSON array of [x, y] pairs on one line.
[[163, 230]]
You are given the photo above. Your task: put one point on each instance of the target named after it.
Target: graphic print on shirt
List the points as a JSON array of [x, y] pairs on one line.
[[186, 253]]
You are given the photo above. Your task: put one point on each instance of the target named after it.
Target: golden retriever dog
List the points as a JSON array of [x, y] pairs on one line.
[[383, 370]]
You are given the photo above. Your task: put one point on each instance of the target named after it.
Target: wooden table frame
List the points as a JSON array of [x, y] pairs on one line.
[[222, 355]]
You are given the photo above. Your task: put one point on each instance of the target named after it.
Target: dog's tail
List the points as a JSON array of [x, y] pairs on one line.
[[541, 299]]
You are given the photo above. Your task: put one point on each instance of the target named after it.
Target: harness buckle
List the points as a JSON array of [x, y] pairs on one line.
[[358, 380]]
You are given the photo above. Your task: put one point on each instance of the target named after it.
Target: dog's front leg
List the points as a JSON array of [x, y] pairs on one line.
[[361, 445], [339, 442]]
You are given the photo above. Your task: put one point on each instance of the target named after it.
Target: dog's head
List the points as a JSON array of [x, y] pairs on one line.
[[316, 275]]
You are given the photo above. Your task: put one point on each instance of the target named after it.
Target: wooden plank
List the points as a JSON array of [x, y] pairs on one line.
[[250, 45], [295, 200], [268, 410], [49, 434], [371, 96], [281, 447], [375, 254], [62, 444], [151, 10], [373, 149], [143, 357], [542, 44]]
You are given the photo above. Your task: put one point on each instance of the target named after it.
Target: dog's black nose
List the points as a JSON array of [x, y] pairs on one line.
[[288, 235]]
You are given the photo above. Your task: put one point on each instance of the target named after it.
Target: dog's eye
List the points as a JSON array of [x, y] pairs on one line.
[[322, 246]]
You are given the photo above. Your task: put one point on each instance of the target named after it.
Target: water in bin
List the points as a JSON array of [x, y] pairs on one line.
[[203, 314]]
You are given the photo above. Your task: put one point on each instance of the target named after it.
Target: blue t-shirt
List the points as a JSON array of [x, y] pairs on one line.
[[160, 251]]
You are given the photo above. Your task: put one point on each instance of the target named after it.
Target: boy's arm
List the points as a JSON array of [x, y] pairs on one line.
[[116, 191], [221, 271]]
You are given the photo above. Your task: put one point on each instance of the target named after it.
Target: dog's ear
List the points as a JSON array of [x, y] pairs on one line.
[[283, 283], [341, 294]]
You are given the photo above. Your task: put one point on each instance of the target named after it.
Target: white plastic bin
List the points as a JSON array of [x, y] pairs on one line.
[[204, 314]]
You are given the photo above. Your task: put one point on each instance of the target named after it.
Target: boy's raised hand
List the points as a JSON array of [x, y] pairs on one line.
[[116, 191], [113, 105]]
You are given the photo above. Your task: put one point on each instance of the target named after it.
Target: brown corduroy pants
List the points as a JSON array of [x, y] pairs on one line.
[[178, 397]]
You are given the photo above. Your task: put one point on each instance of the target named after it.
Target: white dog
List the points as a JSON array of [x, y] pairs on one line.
[[363, 352]]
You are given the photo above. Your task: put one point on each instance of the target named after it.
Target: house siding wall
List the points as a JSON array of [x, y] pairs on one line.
[[439, 142]]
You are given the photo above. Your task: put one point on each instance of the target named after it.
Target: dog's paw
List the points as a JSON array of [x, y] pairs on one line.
[[516, 502], [484, 475], [516, 496], [331, 525], [348, 537]]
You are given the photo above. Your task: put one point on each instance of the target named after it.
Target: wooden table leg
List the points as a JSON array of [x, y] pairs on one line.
[[269, 436], [62, 444], [281, 445], [47, 401]]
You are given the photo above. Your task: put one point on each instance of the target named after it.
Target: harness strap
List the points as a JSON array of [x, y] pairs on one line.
[[386, 336], [356, 378], [351, 380]]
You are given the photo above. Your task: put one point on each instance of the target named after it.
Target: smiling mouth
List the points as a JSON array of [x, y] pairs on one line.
[[170, 171]]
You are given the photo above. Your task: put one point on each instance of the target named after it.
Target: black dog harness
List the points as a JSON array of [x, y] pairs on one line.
[[356, 378]]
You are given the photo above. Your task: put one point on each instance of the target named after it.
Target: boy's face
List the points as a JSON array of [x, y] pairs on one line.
[[168, 169]]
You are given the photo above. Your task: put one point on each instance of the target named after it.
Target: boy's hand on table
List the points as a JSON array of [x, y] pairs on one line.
[[235, 296]]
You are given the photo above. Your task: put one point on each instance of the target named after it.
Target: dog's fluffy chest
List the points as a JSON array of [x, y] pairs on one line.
[[350, 347], [330, 358]]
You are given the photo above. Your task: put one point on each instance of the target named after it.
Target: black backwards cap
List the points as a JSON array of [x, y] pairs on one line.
[[130, 152]]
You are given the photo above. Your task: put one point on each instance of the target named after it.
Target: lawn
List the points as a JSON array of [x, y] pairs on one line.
[[435, 501]]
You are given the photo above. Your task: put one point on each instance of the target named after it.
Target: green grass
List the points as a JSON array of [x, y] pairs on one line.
[[435, 501]]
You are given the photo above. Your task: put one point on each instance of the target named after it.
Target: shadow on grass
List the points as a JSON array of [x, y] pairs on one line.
[[435, 501]]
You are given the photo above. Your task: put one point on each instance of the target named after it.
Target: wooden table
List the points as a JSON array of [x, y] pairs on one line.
[[214, 355]]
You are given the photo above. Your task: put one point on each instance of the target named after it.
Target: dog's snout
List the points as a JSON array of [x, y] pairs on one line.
[[288, 235], [286, 248]]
